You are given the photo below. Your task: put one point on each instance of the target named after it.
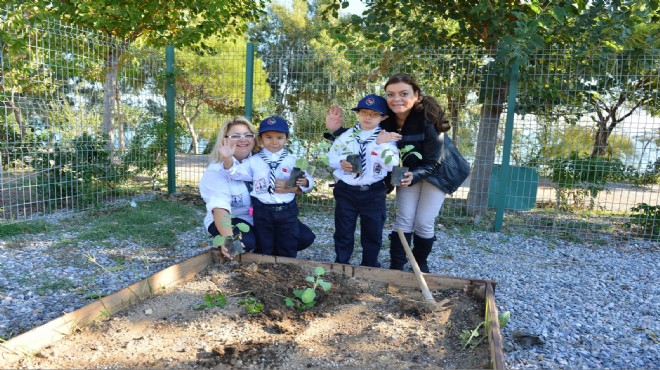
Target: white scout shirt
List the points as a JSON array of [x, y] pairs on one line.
[[376, 168], [219, 191], [255, 169]]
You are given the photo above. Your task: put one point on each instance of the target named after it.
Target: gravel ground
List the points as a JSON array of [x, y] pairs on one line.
[[590, 305]]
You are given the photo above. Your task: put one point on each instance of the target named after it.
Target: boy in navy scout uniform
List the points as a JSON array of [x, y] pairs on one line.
[[362, 194], [275, 213]]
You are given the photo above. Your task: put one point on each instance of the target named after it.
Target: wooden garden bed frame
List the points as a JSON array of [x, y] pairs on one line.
[[34, 340]]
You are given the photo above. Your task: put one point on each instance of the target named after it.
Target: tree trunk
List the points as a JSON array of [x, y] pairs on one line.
[[485, 149], [120, 118], [17, 115], [112, 66], [193, 135], [600, 140]]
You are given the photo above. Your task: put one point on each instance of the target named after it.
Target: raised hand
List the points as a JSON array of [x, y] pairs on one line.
[[227, 148], [334, 118]]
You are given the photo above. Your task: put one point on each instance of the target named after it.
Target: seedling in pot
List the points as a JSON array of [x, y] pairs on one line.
[[232, 243], [399, 172], [354, 160], [298, 172], [306, 298]]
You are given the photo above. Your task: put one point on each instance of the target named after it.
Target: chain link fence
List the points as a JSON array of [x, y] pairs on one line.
[[565, 142]]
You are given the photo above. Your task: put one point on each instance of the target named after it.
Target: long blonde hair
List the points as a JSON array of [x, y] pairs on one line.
[[240, 120]]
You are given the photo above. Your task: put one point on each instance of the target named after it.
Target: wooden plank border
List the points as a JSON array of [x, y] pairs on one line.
[[34, 340]]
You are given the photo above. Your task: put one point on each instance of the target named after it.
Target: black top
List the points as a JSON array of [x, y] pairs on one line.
[[420, 133]]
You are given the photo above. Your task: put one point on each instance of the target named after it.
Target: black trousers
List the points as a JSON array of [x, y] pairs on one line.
[[305, 235], [368, 203], [276, 228]]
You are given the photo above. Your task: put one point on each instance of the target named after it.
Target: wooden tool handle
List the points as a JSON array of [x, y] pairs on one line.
[[418, 274]]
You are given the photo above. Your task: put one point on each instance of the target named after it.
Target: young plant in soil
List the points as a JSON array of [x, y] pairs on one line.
[[251, 304], [306, 298], [468, 335], [210, 301], [398, 172]]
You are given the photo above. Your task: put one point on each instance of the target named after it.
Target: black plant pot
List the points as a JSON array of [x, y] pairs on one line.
[[354, 160], [398, 174], [296, 174], [234, 246]]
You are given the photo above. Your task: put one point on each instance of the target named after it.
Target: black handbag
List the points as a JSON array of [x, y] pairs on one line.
[[453, 169]]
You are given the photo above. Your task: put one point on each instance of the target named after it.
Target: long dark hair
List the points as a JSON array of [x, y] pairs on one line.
[[427, 104]]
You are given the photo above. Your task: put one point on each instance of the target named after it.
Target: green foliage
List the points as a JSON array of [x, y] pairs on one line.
[[306, 298], [175, 23], [251, 304], [210, 301], [79, 168], [646, 219], [147, 151], [579, 177], [404, 153]]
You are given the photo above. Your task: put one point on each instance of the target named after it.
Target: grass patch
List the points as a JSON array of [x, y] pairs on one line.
[[153, 223], [25, 227], [54, 285]]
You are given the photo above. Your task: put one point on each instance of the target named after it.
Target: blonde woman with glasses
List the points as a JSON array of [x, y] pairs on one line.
[[228, 201]]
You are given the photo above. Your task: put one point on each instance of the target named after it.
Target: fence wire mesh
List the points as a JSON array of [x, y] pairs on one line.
[[583, 155], [81, 121]]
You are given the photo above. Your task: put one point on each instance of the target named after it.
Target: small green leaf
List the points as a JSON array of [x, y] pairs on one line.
[[310, 279], [503, 318], [243, 227], [324, 285], [319, 271], [218, 241], [289, 302], [298, 293], [308, 296]]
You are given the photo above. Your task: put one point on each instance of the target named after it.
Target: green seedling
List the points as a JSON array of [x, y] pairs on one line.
[[210, 301], [404, 153], [233, 243], [306, 298], [467, 336], [251, 304]]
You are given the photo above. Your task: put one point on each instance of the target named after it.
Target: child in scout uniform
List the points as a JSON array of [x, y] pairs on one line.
[[275, 214], [362, 193]]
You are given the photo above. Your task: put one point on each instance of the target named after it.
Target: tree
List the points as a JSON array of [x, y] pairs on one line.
[[206, 82], [176, 22]]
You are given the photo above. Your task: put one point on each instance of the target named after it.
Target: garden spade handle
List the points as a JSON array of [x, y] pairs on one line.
[[418, 274]]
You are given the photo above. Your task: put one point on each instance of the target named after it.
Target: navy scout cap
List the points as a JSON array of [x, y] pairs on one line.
[[373, 102], [273, 123]]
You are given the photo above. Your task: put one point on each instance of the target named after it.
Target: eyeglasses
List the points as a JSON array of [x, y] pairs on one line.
[[236, 137], [367, 114]]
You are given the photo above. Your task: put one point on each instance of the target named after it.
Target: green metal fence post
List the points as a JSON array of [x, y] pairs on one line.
[[503, 188], [249, 79], [169, 101]]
